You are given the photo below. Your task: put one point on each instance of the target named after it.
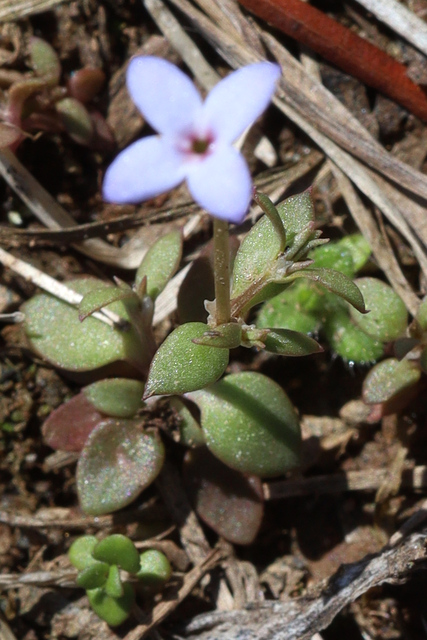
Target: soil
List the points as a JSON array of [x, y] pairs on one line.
[[304, 538]]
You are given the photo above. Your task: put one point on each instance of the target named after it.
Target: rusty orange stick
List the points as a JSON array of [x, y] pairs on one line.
[[343, 48]]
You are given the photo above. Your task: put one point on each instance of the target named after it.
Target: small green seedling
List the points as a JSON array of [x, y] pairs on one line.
[[100, 565]]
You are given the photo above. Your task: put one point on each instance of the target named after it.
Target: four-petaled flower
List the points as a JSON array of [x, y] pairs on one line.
[[195, 141]]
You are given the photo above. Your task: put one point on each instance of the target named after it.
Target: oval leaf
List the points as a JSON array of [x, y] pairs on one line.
[[44, 60], [117, 397], [333, 281], [85, 84], [76, 120], [118, 461], [118, 549], [113, 610], [388, 378], [154, 569], [387, 318], [350, 342], [68, 427], [228, 501], [80, 552], [93, 576], [56, 333], [160, 263], [180, 365], [250, 424]]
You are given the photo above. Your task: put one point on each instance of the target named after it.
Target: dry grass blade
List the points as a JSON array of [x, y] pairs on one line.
[[17, 9], [401, 19], [48, 211]]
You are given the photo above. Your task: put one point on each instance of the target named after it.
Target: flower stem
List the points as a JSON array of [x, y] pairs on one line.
[[221, 271]]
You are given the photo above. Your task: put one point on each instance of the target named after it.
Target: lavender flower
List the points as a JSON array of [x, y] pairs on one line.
[[195, 137]]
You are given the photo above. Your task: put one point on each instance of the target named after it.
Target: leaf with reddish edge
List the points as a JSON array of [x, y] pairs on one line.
[[68, 427], [388, 379], [119, 460], [228, 501]]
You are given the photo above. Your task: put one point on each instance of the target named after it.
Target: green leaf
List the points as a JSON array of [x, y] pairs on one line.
[[44, 60], [284, 342], [261, 246], [113, 610], [118, 461], [333, 281], [93, 576], [358, 247], [118, 397], [180, 365], [350, 342], [388, 378], [56, 333], [113, 586], [100, 298], [229, 502], [155, 569], [387, 318], [332, 256], [295, 309], [80, 552], [118, 549], [76, 120], [224, 336], [160, 263], [250, 424]]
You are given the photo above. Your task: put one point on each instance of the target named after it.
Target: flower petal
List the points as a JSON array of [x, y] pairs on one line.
[[166, 97], [239, 99], [143, 170], [222, 184]]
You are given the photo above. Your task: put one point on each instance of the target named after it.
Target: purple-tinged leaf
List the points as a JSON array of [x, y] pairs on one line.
[[388, 379], [119, 460], [228, 501], [85, 84], [68, 427]]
